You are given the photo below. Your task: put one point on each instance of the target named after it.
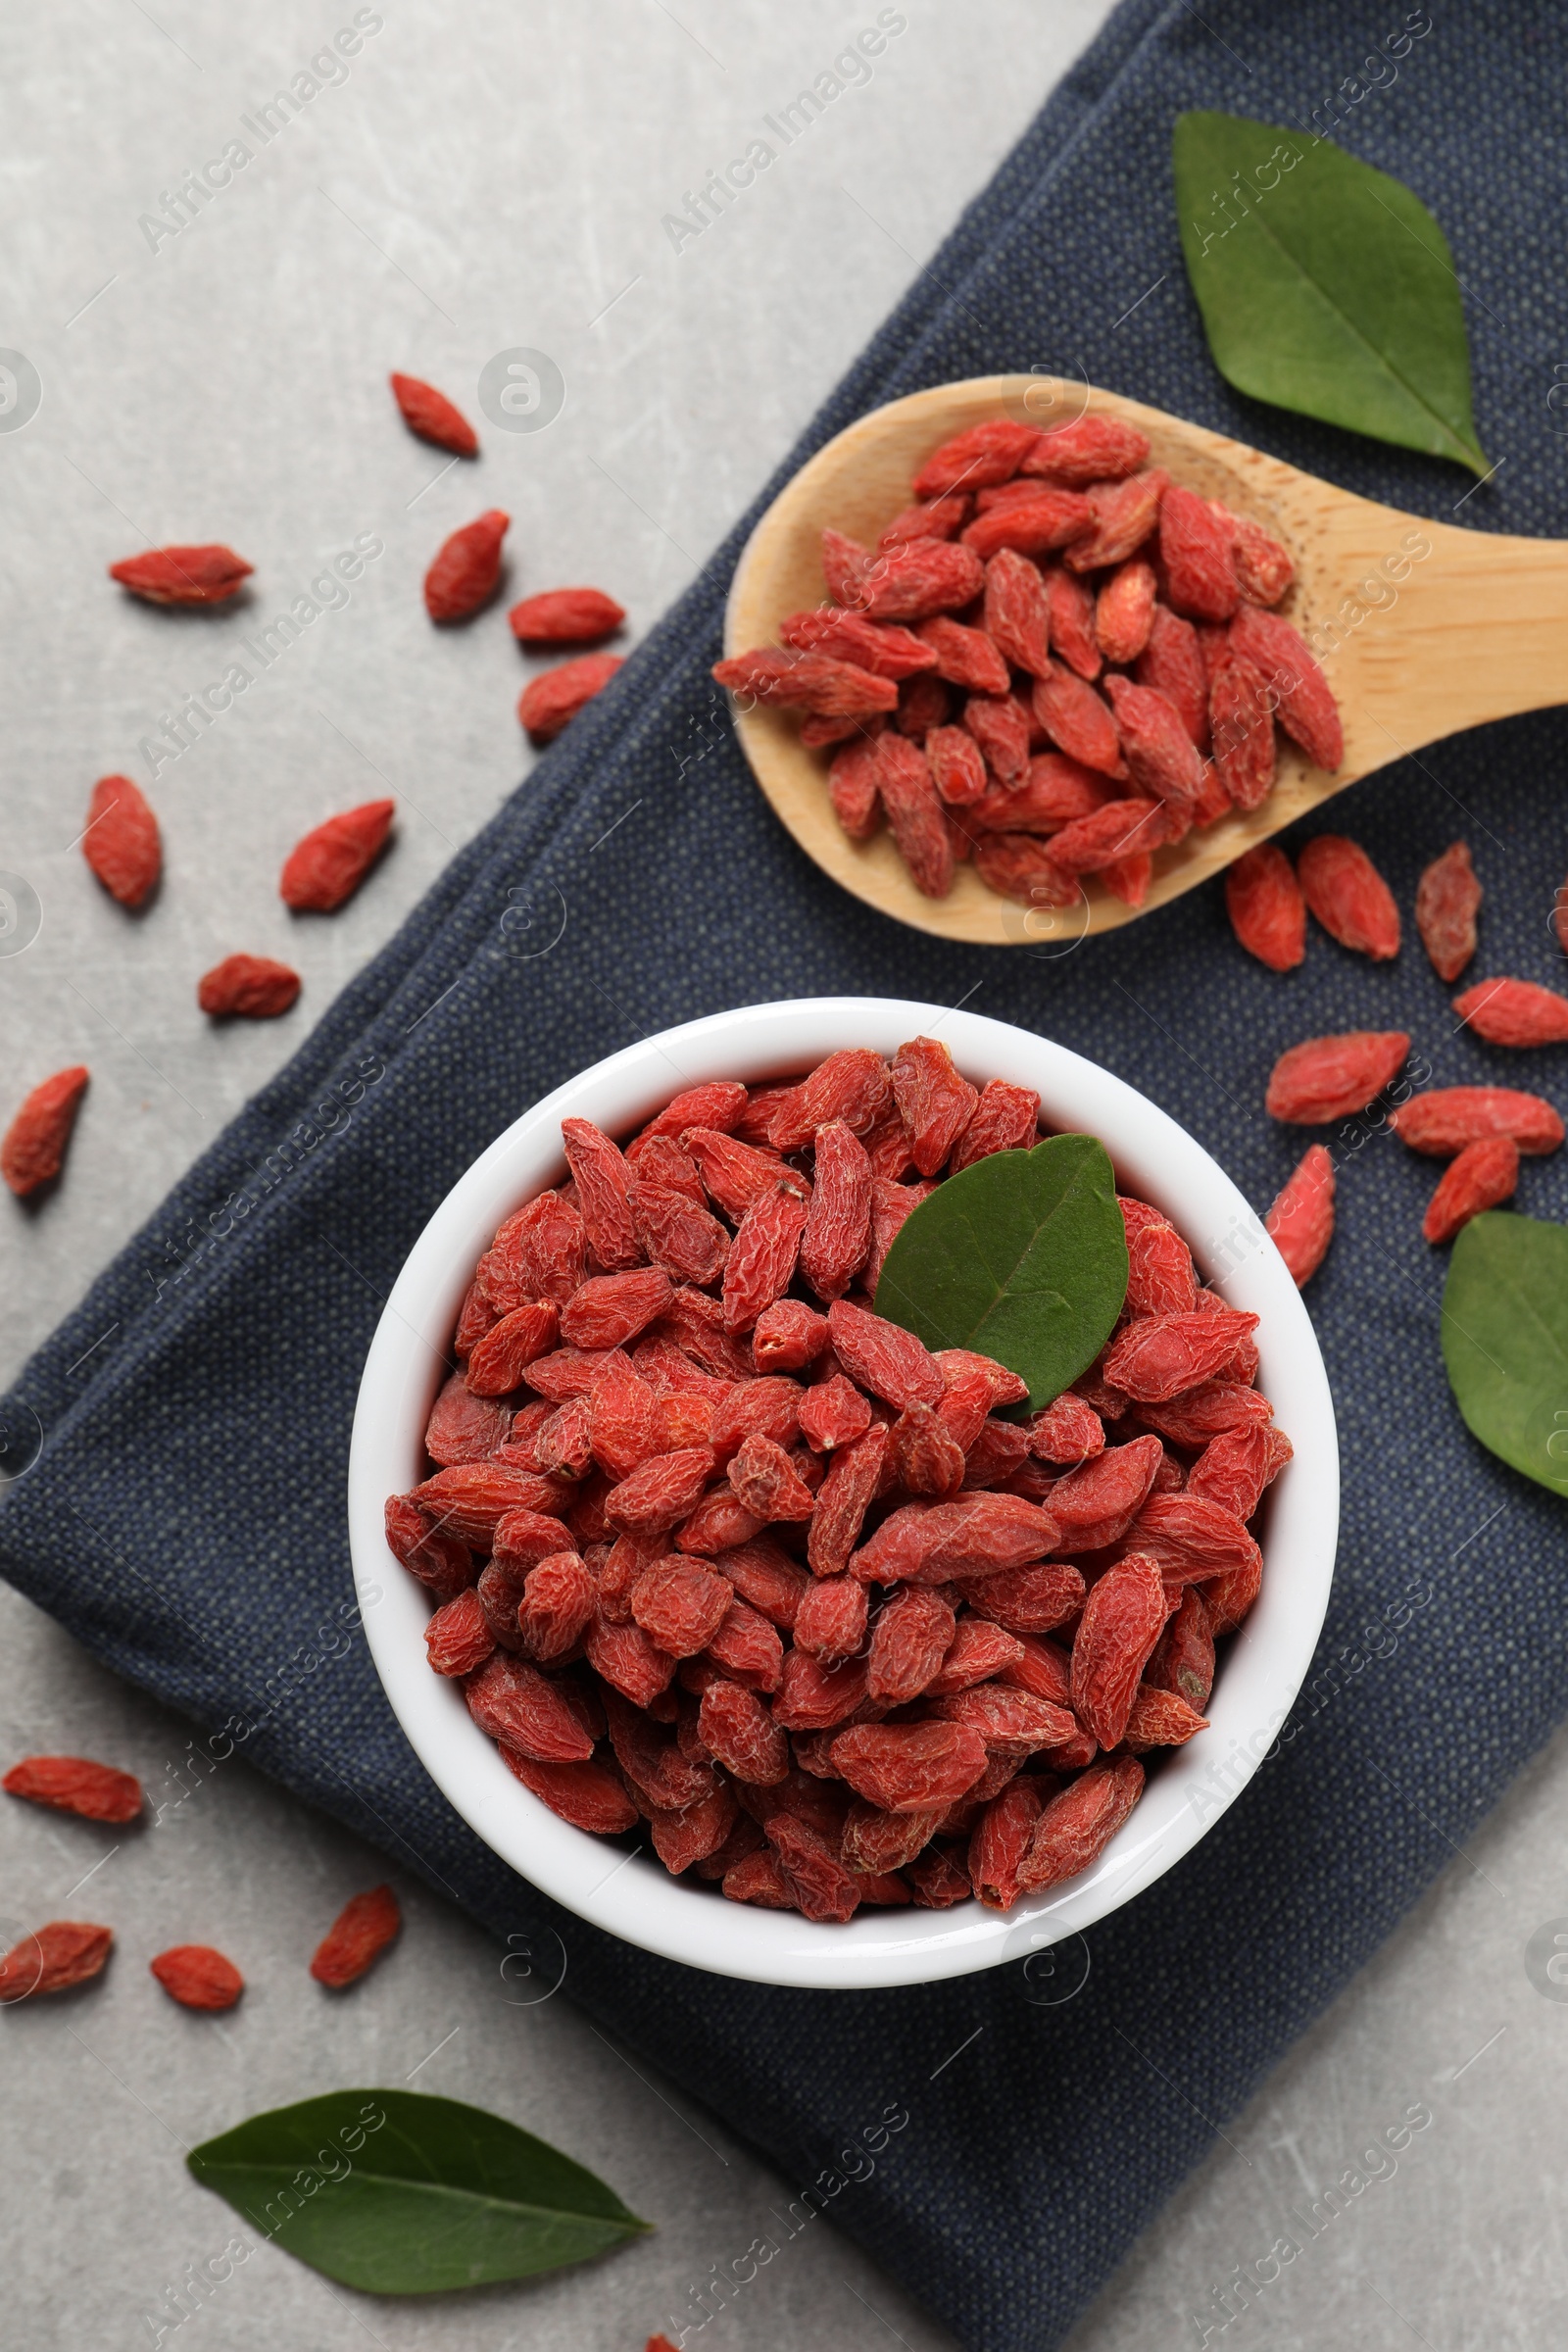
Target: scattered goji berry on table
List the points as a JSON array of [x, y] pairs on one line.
[[1330, 1078], [184, 575], [361, 1933], [1442, 1120], [467, 568], [198, 1977], [1447, 901], [328, 864], [1514, 1013], [553, 700], [1349, 895], [565, 616], [253, 988], [77, 1785], [1268, 913], [1481, 1176], [35, 1147], [121, 842], [429, 413], [1300, 1222]]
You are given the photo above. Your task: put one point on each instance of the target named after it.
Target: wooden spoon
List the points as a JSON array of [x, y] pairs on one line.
[[1422, 629]]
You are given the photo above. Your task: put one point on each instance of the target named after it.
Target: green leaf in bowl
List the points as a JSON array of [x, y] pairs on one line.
[[1505, 1341], [402, 2195], [1022, 1257], [1325, 286]]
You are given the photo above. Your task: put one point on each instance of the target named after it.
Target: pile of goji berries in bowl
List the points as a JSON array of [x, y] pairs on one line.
[[732, 1588]]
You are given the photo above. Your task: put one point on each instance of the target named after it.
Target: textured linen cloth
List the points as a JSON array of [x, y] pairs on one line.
[[185, 1515]]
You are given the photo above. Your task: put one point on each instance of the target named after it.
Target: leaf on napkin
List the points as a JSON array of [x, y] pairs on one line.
[[1022, 1257], [1325, 286], [402, 2195], [1505, 1341]]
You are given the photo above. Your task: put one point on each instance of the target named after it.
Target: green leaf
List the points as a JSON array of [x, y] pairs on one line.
[[1022, 1257], [1325, 286], [1505, 1341], [400, 2195]]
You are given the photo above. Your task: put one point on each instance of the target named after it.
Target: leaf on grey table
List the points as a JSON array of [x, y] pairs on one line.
[[1326, 287], [1022, 1255], [1505, 1341], [400, 2194]]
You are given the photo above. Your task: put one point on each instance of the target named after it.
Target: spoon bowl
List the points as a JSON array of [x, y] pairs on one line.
[[1422, 628]]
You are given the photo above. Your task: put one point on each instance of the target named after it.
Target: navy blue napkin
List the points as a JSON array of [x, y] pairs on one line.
[[185, 1515]]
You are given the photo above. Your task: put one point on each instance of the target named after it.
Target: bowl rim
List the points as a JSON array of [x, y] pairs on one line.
[[634, 1897]]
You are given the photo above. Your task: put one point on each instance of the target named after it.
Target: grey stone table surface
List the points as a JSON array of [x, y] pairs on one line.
[[458, 185]]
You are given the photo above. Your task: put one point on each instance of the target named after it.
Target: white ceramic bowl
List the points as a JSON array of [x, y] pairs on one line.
[[688, 1921]]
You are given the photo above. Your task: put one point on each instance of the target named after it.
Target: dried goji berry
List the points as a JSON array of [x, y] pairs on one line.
[[837, 1232], [1235, 1467], [1095, 1503], [440, 1560], [1329, 1078], [1071, 605], [1267, 911], [913, 1635], [1263, 568], [989, 452], [833, 1413], [938, 1878], [1124, 515], [1005, 1118], [1055, 792], [1090, 449], [924, 703], [788, 1334], [623, 1657], [1447, 901], [935, 1103], [565, 616], [1017, 612], [976, 1535], [558, 1600], [1445, 1119], [429, 413], [1118, 829], [1300, 1222], [54, 1957], [1077, 720], [1000, 724], [1006, 1717], [184, 575], [761, 1260], [1160, 1719], [910, 1767], [253, 988], [940, 518], [121, 842], [1483, 1176], [882, 1356], [457, 1639], [1242, 722], [361, 1933], [499, 1359], [920, 577], [603, 1177], [1019, 867], [832, 1618], [766, 1482], [1184, 1655], [1049, 518], [1125, 611], [1160, 1278], [998, 1842], [198, 1977], [1026, 1601], [1163, 1354], [964, 657], [928, 1458], [1162, 757], [326, 866], [608, 1309], [1514, 1013], [552, 701], [660, 1492], [1190, 1540], [677, 1232], [467, 568], [75, 1785], [1068, 1431], [1349, 895], [1172, 664], [815, 682], [1195, 546], [1300, 693], [35, 1147], [1199, 1414], [1075, 1827], [914, 814]]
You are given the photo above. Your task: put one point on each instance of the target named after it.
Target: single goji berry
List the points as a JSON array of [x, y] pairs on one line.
[[1162, 1355], [198, 1977], [1172, 664], [429, 413], [1095, 1503], [1349, 895], [77, 1785], [761, 1260], [1049, 518], [252, 987], [54, 1957], [935, 1102], [1445, 1119], [1241, 721], [939, 1878], [1448, 899], [883, 1357], [326, 866], [1162, 755], [1124, 513], [121, 842], [624, 1657], [464, 1427], [1300, 1222], [457, 1639], [565, 616], [1160, 1719], [1195, 545], [35, 1147], [910, 1767], [891, 1204], [940, 518], [184, 575], [1021, 867], [1199, 1414], [788, 1334], [1117, 830], [1090, 449], [877, 1841], [603, 1177], [1160, 1277], [1071, 605], [974, 1536], [1299, 692], [914, 814], [1190, 1540], [815, 682], [1263, 568], [1125, 611], [559, 1597], [837, 1232], [1514, 1013], [1267, 911], [1330, 1078], [361, 1933], [916, 578], [1000, 1839], [466, 568], [964, 657], [989, 452], [439, 1561], [1075, 1827], [608, 1309], [549, 702], [832, 1619], [1077, 720], [1017, 612], [766, 1482], [1234, 1468], [924, 703], [1184, 1655], [1068, 1431], [1483, 1176], [1055, 791], [1005, 1118]]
